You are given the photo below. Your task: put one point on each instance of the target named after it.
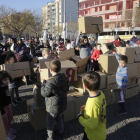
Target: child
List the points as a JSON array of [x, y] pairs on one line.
[[84, 48], [55, 92], [46, 53], [10, 58], [58, 50], [94, 118], [122, 79], [95, 56], [5, 105]]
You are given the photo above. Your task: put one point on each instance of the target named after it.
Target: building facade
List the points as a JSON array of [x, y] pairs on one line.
[[118, 15], [53, 15]]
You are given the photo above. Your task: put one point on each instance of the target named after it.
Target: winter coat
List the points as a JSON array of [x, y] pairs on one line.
[[55, 93]]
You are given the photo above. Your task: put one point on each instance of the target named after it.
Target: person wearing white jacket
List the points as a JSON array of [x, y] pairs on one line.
[[69, 46]]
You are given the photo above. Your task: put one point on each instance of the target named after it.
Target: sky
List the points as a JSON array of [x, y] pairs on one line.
[[20, 5]]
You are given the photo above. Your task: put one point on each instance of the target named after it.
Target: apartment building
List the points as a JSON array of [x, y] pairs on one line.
[[53, 15], [117, 14]]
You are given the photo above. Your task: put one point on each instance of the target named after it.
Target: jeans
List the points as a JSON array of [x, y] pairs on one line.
[[12, 93], [50, 123], [88, 65], [122, 96], [8, 119]]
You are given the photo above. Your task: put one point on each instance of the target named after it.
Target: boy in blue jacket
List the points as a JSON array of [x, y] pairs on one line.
[[122, 79]]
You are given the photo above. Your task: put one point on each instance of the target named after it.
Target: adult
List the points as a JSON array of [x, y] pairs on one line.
[[22, 55], [13, 45]]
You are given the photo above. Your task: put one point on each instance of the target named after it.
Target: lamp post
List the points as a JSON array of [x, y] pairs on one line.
[[70, 25], [64, 28], [117, 18]]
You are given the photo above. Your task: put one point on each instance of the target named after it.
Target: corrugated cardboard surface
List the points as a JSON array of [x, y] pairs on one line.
[[132, 70], [108, 64], [111, 81], [90, 24], [138, 70], [38, 98], [137, 50], [131, 80], [21, 65], [133, 91], [17, 73], [2, 129], [7, 67], [27, 72], [109, 95], [137, 57], [138, 80], [37, 115], [128, 51], [107, 48]]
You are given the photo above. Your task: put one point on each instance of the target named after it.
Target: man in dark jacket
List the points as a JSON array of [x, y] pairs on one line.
[[55, 93]]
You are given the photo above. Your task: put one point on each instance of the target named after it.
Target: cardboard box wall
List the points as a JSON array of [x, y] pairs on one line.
[[78, 85], [128, 51], [37, 115], [107, 47], [138, 69], [38, 98], [131, 91], [132, 70], [138, 81], [67, 67], [90, 25], [111, 81], [2, 129], [80, 63], [108, 64], [109, 95]]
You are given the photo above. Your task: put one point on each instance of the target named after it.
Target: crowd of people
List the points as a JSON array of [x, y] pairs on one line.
[[55, 89]]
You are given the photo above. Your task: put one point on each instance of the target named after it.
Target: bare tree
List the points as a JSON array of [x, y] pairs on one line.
[[72, 27]]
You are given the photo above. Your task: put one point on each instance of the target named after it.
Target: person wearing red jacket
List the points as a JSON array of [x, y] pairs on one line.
[[95, 56]]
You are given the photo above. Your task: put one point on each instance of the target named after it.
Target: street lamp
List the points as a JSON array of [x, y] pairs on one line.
[[117, 18], [70, 25]]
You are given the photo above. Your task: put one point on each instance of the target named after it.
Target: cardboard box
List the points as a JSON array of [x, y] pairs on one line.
[[21, 65], [79, 100], [131, 80], [37, 115], [107, 47], [90, 25], [27, 71], [70, 112], [67, 67], [17, 73], [132, 70], [137, 57], [2, 129], [137, 50], [109, 95], [80, 63], [138, 81], [78, 85], [111, 81], [138, 70], [38, 98], [131, 91], [128, 51], [6, 67], [108, 64]]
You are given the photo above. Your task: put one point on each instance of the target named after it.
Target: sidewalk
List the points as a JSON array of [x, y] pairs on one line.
[[125, 127]]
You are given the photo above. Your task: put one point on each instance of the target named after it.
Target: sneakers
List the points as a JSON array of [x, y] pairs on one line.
[[19, 100], [12, 131], [14, 103], [10, 137], [121, 112]]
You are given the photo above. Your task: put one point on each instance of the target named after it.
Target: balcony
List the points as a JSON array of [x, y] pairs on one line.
[[96, 5], [101, 13]]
